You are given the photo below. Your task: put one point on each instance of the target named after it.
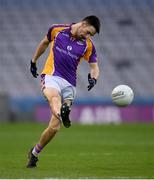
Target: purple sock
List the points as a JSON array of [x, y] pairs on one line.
[[37, 149]]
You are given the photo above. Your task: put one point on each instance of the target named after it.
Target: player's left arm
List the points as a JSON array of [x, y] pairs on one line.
[[93, 75], [91, 56], [94, 70]]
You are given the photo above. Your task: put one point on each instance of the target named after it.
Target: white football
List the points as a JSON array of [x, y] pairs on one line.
[[122, 95]]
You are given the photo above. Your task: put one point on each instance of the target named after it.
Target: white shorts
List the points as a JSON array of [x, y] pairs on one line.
[[66, 90]]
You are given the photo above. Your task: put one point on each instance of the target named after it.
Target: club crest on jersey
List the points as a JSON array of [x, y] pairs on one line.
[[69, 48]]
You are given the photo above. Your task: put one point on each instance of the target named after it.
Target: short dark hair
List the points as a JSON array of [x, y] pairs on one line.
[[94, 21]]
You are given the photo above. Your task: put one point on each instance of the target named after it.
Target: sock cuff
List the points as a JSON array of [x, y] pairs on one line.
[[39, 147]]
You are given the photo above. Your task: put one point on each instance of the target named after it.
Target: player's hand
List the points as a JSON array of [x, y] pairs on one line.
[[92, 82], [33, 69]]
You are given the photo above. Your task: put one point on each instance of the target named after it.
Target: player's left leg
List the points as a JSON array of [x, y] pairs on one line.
[[68, 95], [65, 111]]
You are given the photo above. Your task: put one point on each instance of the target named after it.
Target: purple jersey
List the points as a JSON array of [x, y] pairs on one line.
[[66, 53]]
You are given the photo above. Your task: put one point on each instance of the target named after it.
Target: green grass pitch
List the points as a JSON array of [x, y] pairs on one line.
[[82, 151]]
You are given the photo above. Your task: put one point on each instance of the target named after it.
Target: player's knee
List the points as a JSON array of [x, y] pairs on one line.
[[54, 129], [55, 111]]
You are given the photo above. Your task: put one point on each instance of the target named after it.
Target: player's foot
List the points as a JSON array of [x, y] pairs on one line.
[[65, 111], [32, 159]]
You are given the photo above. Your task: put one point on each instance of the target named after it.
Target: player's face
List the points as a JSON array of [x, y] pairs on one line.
[[85, 31]]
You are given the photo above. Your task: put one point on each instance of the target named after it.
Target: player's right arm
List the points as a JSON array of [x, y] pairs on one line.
[[52, 31], [40, 49]]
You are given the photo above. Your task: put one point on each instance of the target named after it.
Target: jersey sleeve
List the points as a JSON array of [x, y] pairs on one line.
[[49, 33], [90, 54], [52, 31]]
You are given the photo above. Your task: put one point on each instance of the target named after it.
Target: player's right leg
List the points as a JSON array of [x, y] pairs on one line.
[[47, 135], [54, 100]]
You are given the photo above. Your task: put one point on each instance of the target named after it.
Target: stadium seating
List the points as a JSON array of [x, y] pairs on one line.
[[125, 45]]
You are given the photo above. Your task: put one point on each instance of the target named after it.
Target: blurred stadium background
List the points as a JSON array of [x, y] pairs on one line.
[[125, 49]]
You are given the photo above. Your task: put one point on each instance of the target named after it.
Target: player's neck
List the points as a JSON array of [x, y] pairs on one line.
[[74, 28]]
